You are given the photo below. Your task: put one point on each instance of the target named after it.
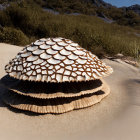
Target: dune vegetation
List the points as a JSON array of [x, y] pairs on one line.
[[22, 23]]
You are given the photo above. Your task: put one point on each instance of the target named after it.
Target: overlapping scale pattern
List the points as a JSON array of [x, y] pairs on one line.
[[56, 60]]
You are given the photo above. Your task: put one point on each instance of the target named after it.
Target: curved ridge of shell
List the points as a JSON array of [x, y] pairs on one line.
[[40, 61]]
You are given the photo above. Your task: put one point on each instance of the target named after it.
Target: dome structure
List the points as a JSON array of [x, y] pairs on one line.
[[56, 60], [55, 75]]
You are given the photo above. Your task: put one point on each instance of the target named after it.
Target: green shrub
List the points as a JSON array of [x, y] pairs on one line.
[[4, 19], [31, 23], [13, 36]]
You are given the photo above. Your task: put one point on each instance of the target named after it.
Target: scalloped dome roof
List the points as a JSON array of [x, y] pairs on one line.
[[56, 60]]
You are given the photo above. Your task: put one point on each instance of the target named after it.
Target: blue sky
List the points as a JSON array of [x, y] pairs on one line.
[[120, 3]]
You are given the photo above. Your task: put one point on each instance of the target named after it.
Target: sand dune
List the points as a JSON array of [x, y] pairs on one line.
[[116, 117]]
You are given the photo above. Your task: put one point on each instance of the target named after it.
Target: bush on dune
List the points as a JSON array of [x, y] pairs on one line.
[[5, 19], [13, 36], [29, 23]]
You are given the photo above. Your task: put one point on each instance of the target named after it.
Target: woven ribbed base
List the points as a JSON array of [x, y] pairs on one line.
[[56, 105]]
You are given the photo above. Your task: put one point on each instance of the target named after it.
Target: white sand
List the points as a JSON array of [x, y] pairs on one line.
[[117, 117]]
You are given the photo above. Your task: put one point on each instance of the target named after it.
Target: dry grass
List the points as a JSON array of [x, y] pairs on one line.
[[89, 31]]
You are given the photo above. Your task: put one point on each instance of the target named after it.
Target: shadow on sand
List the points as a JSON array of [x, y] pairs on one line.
[[137, 81], [2, 91]]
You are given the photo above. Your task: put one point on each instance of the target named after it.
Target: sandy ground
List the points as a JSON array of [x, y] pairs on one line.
[[117, 117]]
